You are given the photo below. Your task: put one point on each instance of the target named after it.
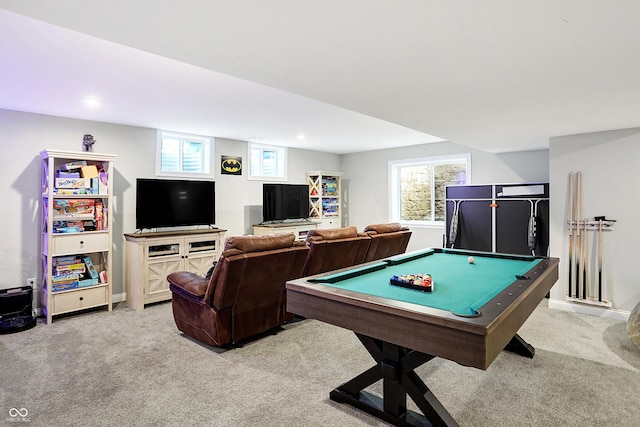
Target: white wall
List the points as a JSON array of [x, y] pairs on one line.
[[238, 201], [24, 136], [366, 186], [610, 175], [608, 161]]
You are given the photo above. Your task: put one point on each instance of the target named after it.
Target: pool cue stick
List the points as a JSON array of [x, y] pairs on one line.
[[571, 203], [585, 257], [578, 235], [599, 260]]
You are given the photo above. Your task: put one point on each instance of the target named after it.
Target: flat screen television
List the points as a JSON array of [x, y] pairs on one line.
[[174, 202], [282, 202]]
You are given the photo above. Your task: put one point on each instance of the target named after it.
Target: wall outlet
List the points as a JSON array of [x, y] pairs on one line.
[[31, 282]]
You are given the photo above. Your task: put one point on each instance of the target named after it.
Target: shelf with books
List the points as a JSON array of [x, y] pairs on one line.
[[76, 231], [77, 271], [77, 215], [325, 199]]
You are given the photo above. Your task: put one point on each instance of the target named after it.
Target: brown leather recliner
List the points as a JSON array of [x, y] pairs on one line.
[[335, 248], [246, 293], [387, 240]]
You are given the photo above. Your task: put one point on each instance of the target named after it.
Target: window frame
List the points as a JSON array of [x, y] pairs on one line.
[[281, 162], [394, 185], [207, 155]]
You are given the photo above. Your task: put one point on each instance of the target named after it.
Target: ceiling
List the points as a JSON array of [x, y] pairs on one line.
[[339, 76]]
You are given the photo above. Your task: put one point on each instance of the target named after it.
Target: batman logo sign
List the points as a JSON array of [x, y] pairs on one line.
[[231, 166]]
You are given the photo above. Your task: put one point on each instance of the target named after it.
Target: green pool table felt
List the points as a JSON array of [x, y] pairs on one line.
[[459, 286]]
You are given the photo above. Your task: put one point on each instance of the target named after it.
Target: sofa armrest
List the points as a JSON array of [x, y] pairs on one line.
[[188, 285]]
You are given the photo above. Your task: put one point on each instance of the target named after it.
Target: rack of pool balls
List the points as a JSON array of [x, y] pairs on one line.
[[420, 282]]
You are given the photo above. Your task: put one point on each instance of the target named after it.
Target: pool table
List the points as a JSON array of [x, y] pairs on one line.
[[472, 314]]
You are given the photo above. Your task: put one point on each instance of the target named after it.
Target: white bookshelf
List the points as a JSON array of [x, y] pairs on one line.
[[325, 198], [79, 236]]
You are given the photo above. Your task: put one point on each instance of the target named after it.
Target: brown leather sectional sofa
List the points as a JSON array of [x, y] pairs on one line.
[[343, 247], [245, 295]]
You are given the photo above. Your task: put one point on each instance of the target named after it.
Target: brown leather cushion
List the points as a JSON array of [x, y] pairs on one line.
[[384, 228], [332, 234], [269, 242]]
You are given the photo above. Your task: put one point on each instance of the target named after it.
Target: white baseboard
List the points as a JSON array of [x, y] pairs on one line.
[[607, 313]]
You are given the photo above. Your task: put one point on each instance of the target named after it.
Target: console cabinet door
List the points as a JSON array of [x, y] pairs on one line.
[[157, 286], [200, 254]]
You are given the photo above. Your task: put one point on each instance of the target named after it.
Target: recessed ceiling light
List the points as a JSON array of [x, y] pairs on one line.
[[302, 136], [92, 102]]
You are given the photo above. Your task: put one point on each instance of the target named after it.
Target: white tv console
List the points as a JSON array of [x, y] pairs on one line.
[[300, 229], [150, 257]]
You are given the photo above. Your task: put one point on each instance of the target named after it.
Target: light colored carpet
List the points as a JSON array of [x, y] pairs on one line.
[[136, 369]]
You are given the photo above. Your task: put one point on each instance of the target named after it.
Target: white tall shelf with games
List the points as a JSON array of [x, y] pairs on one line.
[[325, 198], [77, 189]]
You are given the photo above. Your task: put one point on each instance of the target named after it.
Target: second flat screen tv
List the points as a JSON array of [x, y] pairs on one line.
[[282, 202]]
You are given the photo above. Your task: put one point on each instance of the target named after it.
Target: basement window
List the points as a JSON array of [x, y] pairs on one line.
[[417, 187], [267, 162], [183, 155]]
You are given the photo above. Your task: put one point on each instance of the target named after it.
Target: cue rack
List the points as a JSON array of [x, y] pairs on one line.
[[585, 282]]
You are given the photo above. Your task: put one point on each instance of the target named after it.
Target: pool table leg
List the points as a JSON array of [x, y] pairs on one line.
[[520, 346], [395, 367]]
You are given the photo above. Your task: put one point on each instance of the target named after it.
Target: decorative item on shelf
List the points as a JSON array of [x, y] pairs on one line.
[[87, 142]]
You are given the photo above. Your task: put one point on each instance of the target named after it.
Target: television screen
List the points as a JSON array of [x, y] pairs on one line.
[[285, 201], [171, 203]]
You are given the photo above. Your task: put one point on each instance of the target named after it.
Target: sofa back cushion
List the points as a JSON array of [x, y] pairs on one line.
[[246, 244], [332, 234], [387, 240], [335, 248], [390, 227]]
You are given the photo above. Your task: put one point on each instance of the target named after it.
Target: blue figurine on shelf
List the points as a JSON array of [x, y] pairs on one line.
[[87, 143]]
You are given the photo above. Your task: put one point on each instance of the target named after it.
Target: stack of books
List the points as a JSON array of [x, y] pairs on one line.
[[73, 271], [81, 178]]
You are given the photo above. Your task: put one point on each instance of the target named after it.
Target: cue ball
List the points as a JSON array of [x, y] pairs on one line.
[[471, 260]]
